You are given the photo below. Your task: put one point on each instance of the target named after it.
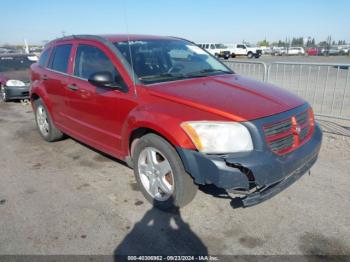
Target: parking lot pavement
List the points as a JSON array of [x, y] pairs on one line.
[[65, 198]]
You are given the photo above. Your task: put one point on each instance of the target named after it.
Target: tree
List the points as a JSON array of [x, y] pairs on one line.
[[298, 41], [280, 43], [323, 44], [263, 43], [311, 42]]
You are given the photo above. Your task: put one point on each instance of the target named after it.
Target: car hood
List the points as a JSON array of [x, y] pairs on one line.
[[231, 96]]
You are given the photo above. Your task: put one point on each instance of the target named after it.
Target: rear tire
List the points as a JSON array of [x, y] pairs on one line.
[[250, 55], [156, 160], [45, 125]]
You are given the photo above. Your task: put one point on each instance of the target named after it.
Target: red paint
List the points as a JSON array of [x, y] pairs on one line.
[[3, 79], [105, 119], [313, 51]]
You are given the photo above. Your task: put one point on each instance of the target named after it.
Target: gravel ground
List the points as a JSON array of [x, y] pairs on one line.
[[65, 198]]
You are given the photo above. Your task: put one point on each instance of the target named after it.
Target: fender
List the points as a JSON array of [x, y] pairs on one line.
[[41, 92], [160, 121]]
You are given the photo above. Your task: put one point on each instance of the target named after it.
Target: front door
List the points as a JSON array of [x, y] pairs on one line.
[[93, 112]]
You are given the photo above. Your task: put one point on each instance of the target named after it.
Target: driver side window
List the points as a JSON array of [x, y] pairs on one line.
[[90, 59]]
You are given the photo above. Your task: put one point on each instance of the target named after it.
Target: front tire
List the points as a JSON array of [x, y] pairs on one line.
[[45, 125], [3, 95], [160, 173]]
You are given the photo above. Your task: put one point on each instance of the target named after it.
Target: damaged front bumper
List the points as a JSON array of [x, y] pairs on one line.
[[258, 175]]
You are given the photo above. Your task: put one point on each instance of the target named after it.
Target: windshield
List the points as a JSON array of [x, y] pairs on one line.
[[162, 60]]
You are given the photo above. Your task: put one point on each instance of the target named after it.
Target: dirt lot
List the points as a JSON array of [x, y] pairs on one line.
[[65, 198]]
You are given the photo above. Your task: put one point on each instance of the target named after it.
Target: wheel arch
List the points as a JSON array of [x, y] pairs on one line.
[[177, 138], [40, 94], [144, 128], [140, 132], [34, 97]]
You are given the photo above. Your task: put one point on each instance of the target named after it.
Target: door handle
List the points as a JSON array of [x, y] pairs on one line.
[[44, 77], [73, 87]]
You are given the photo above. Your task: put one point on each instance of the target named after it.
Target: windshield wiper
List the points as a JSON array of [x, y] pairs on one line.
[[164, 75], [206, 72]]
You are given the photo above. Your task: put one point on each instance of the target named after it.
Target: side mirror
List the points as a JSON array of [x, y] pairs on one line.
[[105, 79], [102, 79]]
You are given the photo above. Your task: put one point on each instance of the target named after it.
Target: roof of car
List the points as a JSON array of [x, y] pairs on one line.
[[112, 38], [109, 39], [125, 37]]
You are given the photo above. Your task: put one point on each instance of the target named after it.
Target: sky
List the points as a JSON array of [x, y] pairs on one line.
[[224, 21]]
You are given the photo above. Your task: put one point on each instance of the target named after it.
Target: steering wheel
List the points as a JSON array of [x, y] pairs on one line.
[[176, 66]]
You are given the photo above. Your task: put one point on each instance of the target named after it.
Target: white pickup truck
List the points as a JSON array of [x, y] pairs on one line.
[[244, 50], [218, 50]]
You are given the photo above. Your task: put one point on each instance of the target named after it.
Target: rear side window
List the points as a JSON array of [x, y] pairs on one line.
[[60, 58], [44, 57], [90, 59]]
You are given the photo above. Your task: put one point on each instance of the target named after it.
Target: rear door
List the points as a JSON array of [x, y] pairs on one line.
[[93, 112], [55, 80]]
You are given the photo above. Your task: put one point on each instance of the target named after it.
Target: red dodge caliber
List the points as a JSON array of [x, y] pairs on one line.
[[174, 113]]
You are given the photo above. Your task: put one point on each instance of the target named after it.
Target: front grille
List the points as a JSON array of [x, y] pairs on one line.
[[280, 144], [279, 127], [302, 118], [288, 134]]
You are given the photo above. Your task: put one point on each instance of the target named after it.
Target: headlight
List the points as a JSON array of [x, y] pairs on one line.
[[14, 83], [218, 137]]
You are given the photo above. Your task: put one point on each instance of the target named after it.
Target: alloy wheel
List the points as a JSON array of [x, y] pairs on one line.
[[156, 174], [42, 121], [3, 93]]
